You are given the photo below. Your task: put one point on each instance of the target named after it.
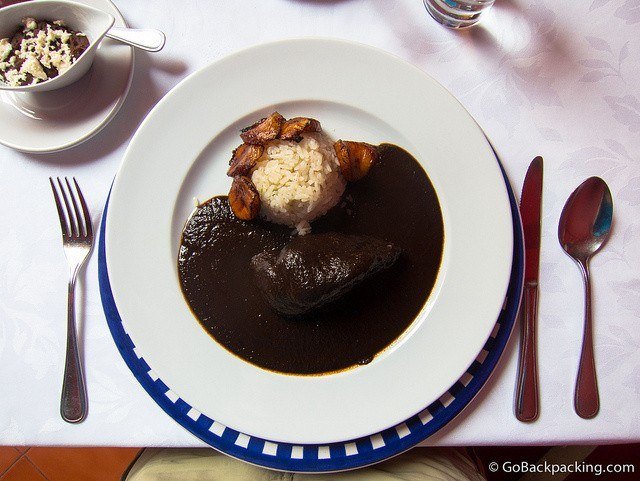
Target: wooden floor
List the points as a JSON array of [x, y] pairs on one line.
[[64, 464]]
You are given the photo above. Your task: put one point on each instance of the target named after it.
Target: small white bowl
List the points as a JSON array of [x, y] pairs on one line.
[[92, 22]]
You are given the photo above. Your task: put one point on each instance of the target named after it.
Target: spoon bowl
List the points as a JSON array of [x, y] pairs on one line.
[[585, 222], [92, 22], [584, 227]]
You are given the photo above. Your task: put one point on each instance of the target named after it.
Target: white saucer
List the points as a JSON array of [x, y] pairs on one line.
[[52, 121]]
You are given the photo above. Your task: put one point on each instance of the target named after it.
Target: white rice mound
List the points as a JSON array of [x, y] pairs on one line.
[[298, 182]]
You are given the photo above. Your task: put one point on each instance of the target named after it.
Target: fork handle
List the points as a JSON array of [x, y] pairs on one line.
[[527, 387], [73, 404]]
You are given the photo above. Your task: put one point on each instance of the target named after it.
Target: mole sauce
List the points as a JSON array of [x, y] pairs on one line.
[[395, 202]]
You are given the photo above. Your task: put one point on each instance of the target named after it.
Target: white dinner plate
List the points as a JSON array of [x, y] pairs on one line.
[[181, 151], [59, 119]]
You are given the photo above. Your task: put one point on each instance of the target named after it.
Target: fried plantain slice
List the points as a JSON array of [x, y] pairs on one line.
[[292, 128], [244, 198], [263, 130], [243, 159], [355, 158]]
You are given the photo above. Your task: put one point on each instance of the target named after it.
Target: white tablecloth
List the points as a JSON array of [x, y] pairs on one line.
[[558, 79]]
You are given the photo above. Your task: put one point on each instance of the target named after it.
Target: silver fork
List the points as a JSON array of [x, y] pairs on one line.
[[77, 240]]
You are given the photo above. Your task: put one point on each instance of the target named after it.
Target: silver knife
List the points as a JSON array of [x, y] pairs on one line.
[[527, 396]]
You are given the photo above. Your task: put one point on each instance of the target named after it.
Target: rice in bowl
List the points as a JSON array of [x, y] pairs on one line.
[[298, 182]]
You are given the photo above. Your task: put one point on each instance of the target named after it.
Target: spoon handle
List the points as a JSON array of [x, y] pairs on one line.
[[527, 387], [147, 39], [587, 402]]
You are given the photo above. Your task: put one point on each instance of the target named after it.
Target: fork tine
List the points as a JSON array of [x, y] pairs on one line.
[[85, 210], [63, 222], [73, 230], [81, 231]]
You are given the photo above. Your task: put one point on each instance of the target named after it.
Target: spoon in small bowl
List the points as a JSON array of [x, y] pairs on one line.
[[584, 227], [94, 23]]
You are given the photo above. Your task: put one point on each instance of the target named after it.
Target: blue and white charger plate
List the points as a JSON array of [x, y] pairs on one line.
[[345, 455]]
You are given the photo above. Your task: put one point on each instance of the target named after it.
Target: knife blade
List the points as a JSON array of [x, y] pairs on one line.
[[527, 397], [530, 209]]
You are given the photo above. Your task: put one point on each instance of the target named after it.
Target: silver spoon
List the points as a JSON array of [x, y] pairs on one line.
[[584, 227], [147, 39]]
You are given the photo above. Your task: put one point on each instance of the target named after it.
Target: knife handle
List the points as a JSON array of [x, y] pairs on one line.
[[527, 387]]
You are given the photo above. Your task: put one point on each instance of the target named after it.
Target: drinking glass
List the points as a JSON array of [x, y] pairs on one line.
[[457, 13]]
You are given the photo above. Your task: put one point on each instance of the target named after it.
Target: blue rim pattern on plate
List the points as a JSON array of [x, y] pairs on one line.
[[329, 457]]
